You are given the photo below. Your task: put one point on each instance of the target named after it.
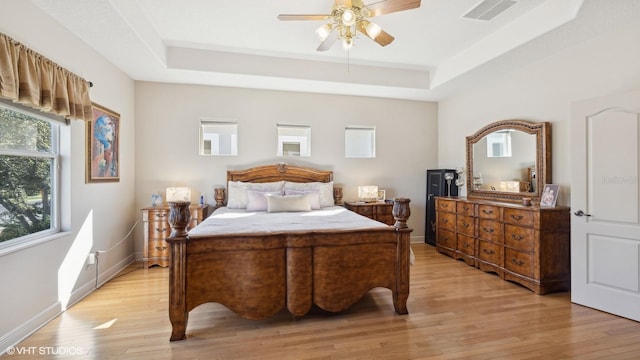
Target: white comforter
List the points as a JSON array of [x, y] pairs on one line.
[[233, 221]]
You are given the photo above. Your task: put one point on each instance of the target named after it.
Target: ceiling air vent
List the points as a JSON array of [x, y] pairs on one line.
[[488, 9]]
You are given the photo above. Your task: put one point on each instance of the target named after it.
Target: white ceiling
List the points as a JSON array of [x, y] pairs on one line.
[[242, 44]]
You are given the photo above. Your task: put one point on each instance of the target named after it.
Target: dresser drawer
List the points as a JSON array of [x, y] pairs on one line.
[[159, 215], [490, 252], [519, 237], [518, 217], [465, 225], [447, 221], [158, 229], [158, 248], [490, 230], [464, 208], [446, 238], [519, 262], [446, 205], [489, 212], [466, 244]]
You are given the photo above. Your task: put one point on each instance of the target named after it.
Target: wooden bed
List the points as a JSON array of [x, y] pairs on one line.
[[257, 274]]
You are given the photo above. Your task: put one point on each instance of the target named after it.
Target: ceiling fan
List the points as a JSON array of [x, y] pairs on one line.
[[348, 17]]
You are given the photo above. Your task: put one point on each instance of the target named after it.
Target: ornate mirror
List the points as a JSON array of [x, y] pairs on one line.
[[509, 160]]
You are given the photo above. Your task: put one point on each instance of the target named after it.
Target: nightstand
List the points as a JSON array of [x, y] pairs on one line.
[[155, 220], [380, 211]]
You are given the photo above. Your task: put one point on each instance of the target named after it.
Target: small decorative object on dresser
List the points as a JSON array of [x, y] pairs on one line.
[[157, 229], [549, 195], [379, 211]]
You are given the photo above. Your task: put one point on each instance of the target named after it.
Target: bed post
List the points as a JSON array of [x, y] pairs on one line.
[[401, 213], [179, 218]]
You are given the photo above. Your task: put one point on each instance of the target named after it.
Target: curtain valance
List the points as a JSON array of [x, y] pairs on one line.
[[28, 78]]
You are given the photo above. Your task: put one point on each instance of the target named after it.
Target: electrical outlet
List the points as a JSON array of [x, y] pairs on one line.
[[91, 259]]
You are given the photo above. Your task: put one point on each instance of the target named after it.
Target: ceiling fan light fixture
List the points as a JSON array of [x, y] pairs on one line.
[[347, 43], [373, 30], [348, 17], [324, 31]]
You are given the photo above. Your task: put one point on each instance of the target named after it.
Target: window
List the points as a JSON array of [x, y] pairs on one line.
[[29, 172], [218, 138], [360, 142], [499, 144], [294, 140]]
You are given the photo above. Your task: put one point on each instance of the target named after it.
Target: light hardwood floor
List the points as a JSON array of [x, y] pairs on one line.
[[455, 312]]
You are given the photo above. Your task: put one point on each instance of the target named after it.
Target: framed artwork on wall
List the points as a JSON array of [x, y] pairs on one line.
[[102, 149]]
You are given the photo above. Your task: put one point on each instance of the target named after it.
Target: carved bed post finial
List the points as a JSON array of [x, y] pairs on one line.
[[218, 195], [401, 212], [179, 217]]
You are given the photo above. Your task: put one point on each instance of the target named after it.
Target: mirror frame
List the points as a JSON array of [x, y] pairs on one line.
[[542, 131]]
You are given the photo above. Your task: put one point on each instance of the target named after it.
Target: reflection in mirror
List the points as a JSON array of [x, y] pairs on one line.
[[360, 142], [509, 160], [218, 138], [294, 140], [502, 161]]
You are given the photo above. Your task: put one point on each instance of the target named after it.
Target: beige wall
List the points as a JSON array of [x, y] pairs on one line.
[[39, 281], [543, 91], [168, 115]]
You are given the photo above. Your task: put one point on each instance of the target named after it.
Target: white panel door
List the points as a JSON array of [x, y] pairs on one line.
[[605, 199]]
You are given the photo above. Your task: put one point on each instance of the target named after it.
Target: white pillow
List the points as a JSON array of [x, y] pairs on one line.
[[257, 200], [237, 192], [325, 190], [314, 196], [291, 203]]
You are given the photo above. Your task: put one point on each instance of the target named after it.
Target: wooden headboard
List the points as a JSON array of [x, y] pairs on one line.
[[278, 172]]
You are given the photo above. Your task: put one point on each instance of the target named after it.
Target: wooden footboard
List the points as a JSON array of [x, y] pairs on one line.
[[256, 275]]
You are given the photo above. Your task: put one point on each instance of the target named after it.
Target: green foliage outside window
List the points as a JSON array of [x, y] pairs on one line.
[[26, 168]]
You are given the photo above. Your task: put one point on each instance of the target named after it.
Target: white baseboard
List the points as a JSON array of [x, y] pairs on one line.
[[32, 325]]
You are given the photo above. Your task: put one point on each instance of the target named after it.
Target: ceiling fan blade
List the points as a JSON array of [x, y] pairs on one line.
[[383, 38], [295, 17], [327, 43], [390, 6], [345, 3]]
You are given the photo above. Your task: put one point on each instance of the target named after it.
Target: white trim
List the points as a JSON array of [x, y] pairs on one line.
[[11, 246]]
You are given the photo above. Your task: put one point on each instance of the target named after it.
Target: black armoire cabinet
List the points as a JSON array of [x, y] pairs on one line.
[[437, 185]]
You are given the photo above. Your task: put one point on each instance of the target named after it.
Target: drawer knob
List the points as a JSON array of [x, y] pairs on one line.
[[467, 245], [516, 217], [465, 208], [488, 251], [488, 212], [445, 220], [489, 230], [517, 262], [465, 225], [160, 230], [161, 215], [517, 237], [160, 247]]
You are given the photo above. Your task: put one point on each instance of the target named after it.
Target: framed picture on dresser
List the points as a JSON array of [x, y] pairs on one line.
[[549, 195]]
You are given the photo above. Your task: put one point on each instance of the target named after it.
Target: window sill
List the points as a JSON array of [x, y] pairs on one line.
[[27, 243]]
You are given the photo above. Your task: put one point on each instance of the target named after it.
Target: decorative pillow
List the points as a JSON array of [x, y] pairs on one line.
[[314, 196], [237, 192], [325, 190], [257, 200], [291, 203]]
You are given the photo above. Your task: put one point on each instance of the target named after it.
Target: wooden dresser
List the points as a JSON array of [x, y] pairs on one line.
[[380, 211], [528, 245], [156, 229]]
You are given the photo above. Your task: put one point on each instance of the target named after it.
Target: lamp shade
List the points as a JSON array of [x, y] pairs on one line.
[[368, 193], [178, 194]]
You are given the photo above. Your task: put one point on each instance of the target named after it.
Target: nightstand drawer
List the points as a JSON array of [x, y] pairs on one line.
[[159, 215], [158, 248], [384, 210], [159, 229]]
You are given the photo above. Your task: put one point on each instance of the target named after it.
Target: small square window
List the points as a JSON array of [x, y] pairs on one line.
[[360, 142], [294, 140], [218, 138]]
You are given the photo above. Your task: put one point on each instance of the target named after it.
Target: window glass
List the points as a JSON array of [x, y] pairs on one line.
[[499, 144], [360, 142], [218, 138], [294, 140], [28, 169]]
